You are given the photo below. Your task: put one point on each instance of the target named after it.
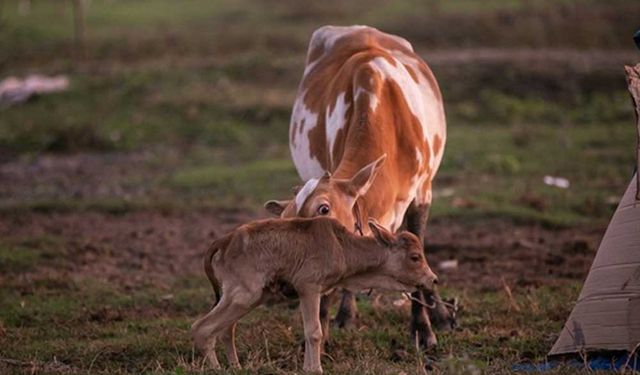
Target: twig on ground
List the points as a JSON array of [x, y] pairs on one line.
[[16, 362], [632, 354], [421, 369], [512, 302], [433, 305]]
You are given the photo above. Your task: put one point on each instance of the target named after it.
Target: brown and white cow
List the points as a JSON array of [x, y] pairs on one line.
[[367, 135]]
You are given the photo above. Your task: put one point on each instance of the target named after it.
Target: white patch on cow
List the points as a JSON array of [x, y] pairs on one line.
[[419, 158], [335, 121], [373, 98], [304, 193], [420, 98], [307, 166], [309, 66], [328, 35]]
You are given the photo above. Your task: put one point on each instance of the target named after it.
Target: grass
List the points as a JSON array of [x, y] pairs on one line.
[[145, 330]]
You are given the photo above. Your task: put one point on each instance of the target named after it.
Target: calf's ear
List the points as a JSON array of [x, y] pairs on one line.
[[383, 236], [362, 181], [276, 207]]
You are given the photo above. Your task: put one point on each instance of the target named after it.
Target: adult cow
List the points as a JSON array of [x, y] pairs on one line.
[[367, 135]]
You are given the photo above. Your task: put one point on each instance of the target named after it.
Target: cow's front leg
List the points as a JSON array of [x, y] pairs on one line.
[[347, 312], [310, 308], [439, 315], [420, 326]]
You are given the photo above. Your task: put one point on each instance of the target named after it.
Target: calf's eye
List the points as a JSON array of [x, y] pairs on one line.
[[415, 258], [323, 209]]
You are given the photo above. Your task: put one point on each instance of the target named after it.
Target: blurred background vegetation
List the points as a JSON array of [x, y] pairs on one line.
[[199, 94]]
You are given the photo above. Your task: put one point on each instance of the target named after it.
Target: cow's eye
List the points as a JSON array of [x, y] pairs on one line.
[[415, 258], [323, 209]]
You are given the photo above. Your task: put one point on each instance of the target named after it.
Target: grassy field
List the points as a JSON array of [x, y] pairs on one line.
[[175, 127]]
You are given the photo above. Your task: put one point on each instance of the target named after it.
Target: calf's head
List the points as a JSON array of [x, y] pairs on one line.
[[406, 263], [329, 196]]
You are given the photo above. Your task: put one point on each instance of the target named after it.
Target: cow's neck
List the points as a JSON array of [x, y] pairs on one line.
[[369, 205]]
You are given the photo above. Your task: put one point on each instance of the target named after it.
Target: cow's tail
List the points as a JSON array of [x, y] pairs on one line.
[[208, 266]]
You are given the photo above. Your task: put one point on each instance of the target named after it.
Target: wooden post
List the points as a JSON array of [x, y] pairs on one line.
[[633, 81], [79, 27]]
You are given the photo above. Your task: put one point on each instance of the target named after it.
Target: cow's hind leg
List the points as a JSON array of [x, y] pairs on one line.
[[348, 311], [326, 302]]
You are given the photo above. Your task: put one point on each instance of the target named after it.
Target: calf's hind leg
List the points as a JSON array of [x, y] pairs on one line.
[[233, 306], [229, 341]]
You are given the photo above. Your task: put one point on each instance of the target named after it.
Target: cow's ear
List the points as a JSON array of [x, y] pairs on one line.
[[381, 234], [276, 207], [362, 181]]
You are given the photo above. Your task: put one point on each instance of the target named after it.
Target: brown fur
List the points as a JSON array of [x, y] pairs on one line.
[[314, 256]]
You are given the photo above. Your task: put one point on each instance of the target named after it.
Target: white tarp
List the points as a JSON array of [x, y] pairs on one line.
[[607, 313], [15, 90]]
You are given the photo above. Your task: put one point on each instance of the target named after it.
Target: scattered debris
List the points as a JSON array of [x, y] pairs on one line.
[[447, 265], [523, 243], [403, 300], [166, 297], [559, 182], [612, 200], [512, 302], [14, 90], [443, 193], [534, 201], [459, 202]]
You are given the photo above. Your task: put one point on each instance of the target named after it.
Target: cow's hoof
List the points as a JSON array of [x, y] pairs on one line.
[[345, 320], [424, 337], [429, 363], [444, 315]]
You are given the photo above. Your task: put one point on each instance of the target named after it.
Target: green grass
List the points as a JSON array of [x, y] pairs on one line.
[[146, 330]]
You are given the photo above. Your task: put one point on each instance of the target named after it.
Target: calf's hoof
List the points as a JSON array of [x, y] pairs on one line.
[[345, 318], [213, 361], [312, 369]]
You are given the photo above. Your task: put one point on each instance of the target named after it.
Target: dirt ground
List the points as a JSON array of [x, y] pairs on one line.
[[148, 246]]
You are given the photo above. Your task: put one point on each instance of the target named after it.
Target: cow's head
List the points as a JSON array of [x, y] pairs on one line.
[[329, 196]]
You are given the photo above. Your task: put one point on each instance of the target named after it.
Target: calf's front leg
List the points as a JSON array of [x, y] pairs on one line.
[[310, 308]]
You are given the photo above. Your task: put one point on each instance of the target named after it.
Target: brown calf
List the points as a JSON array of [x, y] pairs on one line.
[[314, 256]]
